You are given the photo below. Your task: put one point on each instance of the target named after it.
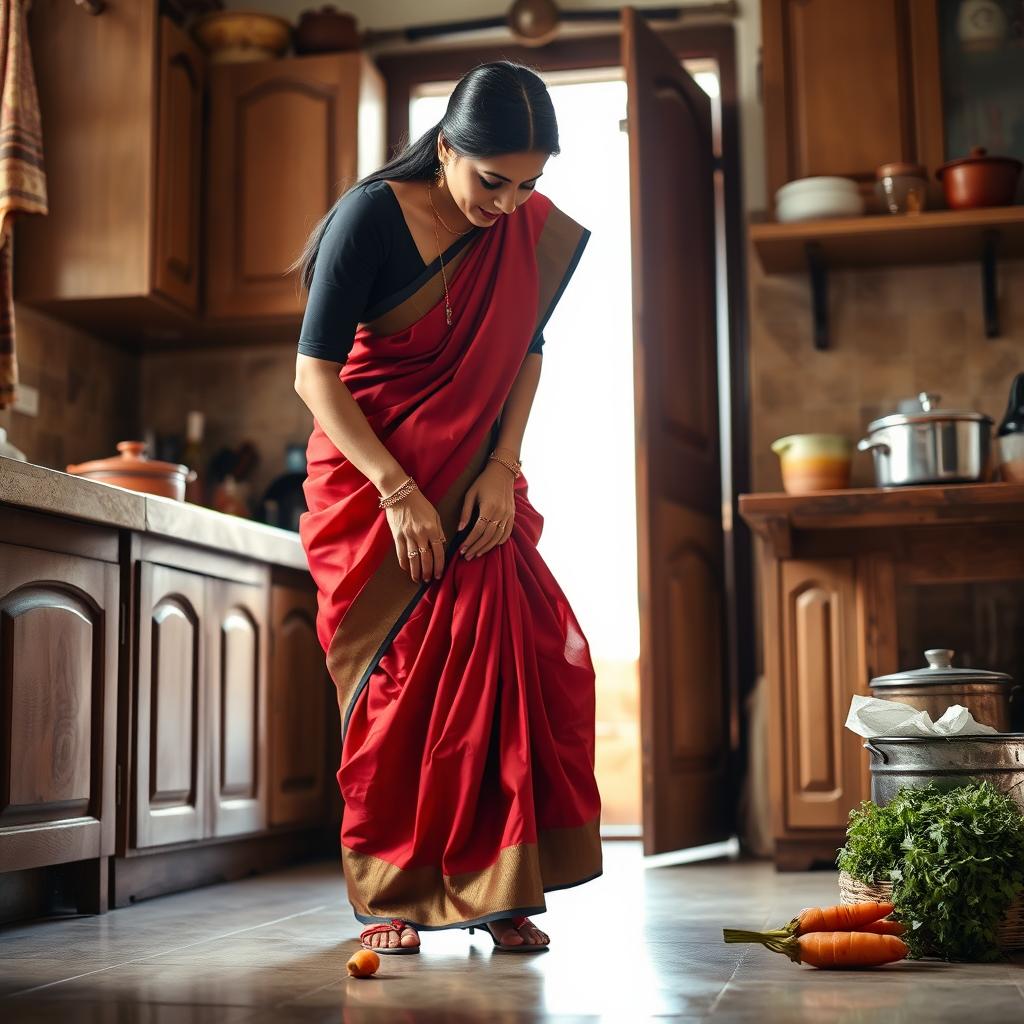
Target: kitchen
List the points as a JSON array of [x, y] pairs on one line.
[[165, 298]]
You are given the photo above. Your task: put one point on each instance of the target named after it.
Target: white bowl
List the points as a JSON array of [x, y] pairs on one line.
[[819, 183], [819, 204], [1010, 456]]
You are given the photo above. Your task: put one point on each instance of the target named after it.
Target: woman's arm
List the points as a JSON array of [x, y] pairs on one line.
[[415, 524], [494, 489]]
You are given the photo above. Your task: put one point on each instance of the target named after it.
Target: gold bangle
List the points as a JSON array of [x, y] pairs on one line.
[[515, 468], [408, 486]]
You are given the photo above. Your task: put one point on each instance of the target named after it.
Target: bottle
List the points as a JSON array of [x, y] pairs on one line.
[[1013, 419], [192, 456]]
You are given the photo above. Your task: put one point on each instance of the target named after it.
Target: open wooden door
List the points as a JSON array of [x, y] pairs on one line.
[[687, 796]]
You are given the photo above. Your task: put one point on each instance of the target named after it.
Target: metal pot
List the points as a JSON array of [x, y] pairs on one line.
[[933, 689], [929, 446], [914, 762]]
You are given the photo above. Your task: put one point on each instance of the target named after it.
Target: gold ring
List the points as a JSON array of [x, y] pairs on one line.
[[484, 519], [437, 540], [413, 554]]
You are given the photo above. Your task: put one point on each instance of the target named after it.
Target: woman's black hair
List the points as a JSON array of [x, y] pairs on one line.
[[496, 108]]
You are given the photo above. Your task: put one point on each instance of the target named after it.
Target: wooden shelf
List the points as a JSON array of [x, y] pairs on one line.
[[941, 236]]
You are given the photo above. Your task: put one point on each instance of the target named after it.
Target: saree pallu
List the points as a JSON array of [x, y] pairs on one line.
[[466, 703]]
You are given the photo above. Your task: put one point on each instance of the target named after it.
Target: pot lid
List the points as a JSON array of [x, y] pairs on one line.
[[978, 155], [929, 413], [131, 460], [940, 670], [900, 168]]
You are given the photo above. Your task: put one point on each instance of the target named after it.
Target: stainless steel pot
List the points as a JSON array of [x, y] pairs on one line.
[[900, 763], [929, 446], [985, 694]]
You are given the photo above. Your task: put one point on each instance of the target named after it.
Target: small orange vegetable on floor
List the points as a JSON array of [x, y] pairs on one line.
[[363, 963], [846, 917]]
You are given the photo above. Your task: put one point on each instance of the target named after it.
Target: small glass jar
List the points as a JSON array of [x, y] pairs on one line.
[[901, 187]]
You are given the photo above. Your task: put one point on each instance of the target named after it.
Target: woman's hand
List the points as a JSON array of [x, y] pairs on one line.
[[416, 525], [493, 492]]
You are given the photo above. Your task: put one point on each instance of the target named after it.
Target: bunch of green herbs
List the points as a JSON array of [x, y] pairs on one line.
[[955, 858]]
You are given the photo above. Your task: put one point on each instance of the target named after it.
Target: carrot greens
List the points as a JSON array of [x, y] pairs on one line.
[[955, 858]]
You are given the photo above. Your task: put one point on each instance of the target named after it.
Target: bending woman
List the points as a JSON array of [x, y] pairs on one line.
[[465, 685]]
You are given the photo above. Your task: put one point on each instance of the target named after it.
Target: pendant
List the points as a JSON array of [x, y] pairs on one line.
[[448, 314]]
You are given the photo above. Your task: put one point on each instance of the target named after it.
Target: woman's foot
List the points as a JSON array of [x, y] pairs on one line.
[[398, 934], [505, 931]]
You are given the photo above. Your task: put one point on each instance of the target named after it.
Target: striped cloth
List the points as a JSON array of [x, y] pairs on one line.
[[22, 180]]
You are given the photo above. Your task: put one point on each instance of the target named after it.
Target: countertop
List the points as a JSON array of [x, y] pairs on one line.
[[775, 515], [24, 485]]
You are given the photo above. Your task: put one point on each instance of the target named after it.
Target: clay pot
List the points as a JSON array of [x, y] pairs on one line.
[[132, 469], [238, 36], [979, 180], [327, 30], [814, 462]]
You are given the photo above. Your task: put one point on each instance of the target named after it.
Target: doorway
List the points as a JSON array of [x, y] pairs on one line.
[[579, 448]]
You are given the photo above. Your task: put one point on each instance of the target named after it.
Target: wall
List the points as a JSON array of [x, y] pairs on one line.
[[88, 393], [895, 332], [372, 14]]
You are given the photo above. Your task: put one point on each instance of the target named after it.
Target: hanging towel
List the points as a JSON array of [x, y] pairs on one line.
[[22, 180]]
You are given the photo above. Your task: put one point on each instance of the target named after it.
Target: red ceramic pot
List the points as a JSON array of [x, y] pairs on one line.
[[979, 180], [132, 469]]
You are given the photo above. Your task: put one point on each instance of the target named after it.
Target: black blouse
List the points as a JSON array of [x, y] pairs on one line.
[[368, 263]]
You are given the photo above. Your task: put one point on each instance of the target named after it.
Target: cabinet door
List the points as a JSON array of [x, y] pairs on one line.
[[838, 87], [298, 729], [237, 634], [169, 752], [179, 166], [58, 689], [283, 140], [822, 761]]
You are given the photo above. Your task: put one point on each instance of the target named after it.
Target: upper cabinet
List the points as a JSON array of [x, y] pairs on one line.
[[849, 86], [121, 102], [286, 137], [180, 194]]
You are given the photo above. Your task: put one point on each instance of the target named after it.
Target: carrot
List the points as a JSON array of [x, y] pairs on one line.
[[846, 917], [884, 928], [830, 949]]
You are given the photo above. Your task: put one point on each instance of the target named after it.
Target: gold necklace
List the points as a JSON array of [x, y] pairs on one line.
[[440, 255], [430, 197]]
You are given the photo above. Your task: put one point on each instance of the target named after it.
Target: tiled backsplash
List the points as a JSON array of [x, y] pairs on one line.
[[88, 393], [246, 394], [894, 332]]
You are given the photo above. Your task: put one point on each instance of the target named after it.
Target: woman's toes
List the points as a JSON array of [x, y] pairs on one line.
[[409, 937]]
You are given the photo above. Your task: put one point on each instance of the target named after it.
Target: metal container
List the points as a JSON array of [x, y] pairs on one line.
[[929, 446], [985, 694], [912, 763]]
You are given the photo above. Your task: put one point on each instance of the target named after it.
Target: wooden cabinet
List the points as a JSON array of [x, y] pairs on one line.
[[199, 744], [121, 103], [821, 762], [300, 691], [286, 137], [59, 617], [176, 264], [849, 86]]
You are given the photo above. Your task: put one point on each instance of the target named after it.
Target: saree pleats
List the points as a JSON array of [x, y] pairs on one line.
[[466, 703]]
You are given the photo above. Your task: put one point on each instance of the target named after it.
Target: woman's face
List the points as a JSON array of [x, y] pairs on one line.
[[485, 188]]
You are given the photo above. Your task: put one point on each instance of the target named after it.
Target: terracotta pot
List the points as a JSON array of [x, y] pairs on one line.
[[327, 30], [132, 469], [236, 36], [814, 462], [979, 180]]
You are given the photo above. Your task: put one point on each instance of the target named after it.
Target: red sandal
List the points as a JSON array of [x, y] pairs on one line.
[[396, 925], [523, 947]]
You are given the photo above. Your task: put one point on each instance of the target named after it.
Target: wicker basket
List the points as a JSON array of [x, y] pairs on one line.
[[1010, 933]]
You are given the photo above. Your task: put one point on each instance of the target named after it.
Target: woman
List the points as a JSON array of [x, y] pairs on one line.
[[465, 685]]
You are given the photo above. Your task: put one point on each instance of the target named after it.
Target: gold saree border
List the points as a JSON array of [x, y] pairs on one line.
[[514, 883], [389, 597]]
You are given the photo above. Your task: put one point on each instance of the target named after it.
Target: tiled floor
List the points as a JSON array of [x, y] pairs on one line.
[[633, 945]]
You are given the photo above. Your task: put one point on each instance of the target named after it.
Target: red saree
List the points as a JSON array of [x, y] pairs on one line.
[[466, 703]]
